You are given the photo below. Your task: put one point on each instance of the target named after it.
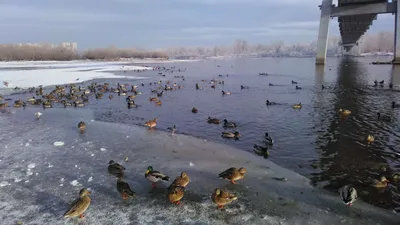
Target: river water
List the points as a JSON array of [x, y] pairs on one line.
[[315, 141]]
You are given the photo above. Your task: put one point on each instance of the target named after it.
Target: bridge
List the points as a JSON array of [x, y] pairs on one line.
[[354, 17]]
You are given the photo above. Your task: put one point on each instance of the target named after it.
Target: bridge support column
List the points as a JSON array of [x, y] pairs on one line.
[[322, 43], [396, 59]]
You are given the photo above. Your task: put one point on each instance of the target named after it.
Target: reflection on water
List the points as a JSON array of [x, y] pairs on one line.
[[315, 141]]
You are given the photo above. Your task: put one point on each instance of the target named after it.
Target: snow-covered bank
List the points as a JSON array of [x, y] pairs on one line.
[[40, 179], [71, 73]]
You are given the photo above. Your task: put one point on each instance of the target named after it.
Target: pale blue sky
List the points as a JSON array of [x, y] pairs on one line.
[[164, 23]]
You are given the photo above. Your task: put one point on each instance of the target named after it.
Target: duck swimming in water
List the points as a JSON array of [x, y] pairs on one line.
[[213, 120], [268, 139], [344, 112], [82, 126], [261, 151], [235, 135], [194, 110], [229, 124], [225, 93], [297, 106], [151, 123], [269, 103]]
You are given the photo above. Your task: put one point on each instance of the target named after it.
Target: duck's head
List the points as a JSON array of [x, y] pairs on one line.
[[225, 121], [111, 162], [84, 192], [393, 103], [237, 134], [149, 169], [384, 179], [379, 114], [217, 191], [267, 101], [266, 134], [340, 110], [242, 170], [183, 174]]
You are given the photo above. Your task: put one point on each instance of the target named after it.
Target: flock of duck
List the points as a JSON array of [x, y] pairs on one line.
[[77, 96]]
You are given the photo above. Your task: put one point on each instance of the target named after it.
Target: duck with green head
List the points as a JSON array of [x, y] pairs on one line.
[[155, 176]]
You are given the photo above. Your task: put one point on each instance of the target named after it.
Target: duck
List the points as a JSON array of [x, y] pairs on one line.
[[67, 104], [213, 120], [394, 105], [131, 104], [383, 117], [175, 194], [38, 114], [225, 93], [370, 138], [294, 82], [19, 105], [297, 106], [298, 88], [172, 129], [110, 96], [99, 95], [235, 135], [122, 93], [270, 84], [154, 176], [221, 198], [322, 87], [47, 104], [124, 189], [153, 99], [151, 123], [348, 194], [76, 104], [228, 124], [270, 103], [268, 139], [160, 94], [344, 112], [80, 205], [115, 168], [244, 87], [159, 102], [233, 174], [260, 150], [3, 105], [182, 180], [194, 110], [130, 97], [382, 183], [31, 100], [82, 126]]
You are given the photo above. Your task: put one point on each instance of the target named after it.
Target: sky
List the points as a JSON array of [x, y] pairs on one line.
[[155, 24]]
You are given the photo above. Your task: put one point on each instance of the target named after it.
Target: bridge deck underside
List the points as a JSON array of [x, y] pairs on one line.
[[353, 27]]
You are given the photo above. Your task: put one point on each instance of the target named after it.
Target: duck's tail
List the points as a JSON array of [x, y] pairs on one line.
[[166, 178]]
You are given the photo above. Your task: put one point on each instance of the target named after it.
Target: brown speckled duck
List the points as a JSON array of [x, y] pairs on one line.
[[233, 174], [221, 198], [79, 206], [175, 194], [182, 180], [124, 189]]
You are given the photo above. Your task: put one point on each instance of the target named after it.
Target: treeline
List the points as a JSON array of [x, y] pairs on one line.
[[369, 43], [35, 53]]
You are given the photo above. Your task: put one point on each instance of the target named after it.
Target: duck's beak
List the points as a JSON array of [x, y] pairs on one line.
[[147, 171]]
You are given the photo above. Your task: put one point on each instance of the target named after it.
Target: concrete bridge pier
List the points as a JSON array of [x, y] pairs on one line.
[[396, 59], [323, 32]]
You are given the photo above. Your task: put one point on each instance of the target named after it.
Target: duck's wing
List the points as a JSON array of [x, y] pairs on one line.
[[73, 207], [159, 175], [228, 173], [123, 187], [118, 166]]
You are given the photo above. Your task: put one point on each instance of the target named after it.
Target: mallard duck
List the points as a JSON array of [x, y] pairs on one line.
[[233, 174], [244, 87], [298, 88], [153, 99], [115, 168], [130, 97], [160, 94], [175, 194], [151, 123], [131, 104], [228, 124], [382, 183], [182, 180], [225, 93], [82, 126], [38, 114], [221, 198], [99, 95], [348, 194], [3, 105], [370, 138], [67, 104], [121, 93], [76, 104], [159, 102], [261, 151], [294, 82], [124, 189], [268, 139], [270, 103], [155, 176], [194, 110], [230, 134], [344, 112], [297, 106], [19, 105], [79, 206], [47, 104], [213, 120], [383, 117], [31, 100]]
